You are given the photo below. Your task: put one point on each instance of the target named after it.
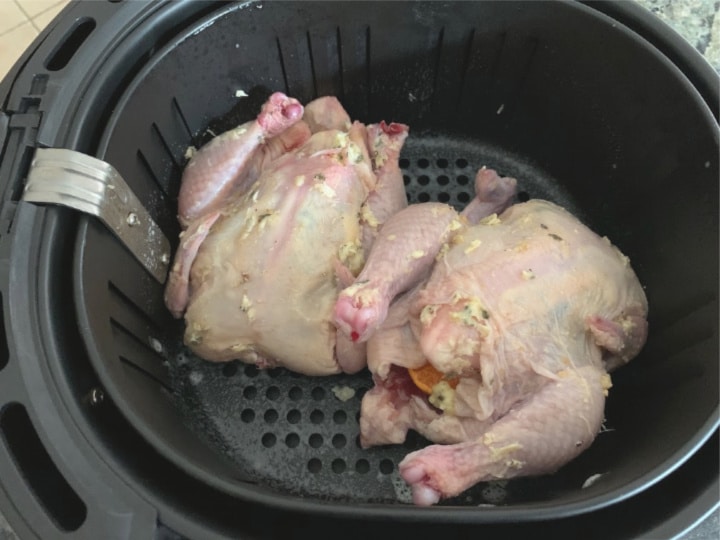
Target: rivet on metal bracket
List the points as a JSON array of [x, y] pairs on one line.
[[90, 185]]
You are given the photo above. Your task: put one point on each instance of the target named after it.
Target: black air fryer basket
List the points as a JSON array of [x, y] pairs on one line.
[[110, 428]]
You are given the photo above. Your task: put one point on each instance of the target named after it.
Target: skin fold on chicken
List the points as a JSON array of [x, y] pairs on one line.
[[520, 315], [277, 216]]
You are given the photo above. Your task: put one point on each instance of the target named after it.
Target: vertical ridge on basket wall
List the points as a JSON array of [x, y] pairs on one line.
[[326, 64], [135, 337], [353, 62], [484, 52], [452, 64], [497, 69], [513, 70], [404, 73], [174, 161], [296, 61]]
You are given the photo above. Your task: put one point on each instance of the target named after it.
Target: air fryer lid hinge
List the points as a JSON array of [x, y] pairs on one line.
[[90, 185]]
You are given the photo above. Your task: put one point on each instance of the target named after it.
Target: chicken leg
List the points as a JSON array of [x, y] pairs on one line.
[[538, 436], [405, 251]]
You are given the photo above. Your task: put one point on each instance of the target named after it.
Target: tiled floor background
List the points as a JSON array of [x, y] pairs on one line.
[[20, 22]]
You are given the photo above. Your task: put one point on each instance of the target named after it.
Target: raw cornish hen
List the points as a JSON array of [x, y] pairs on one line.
[[502, 354], [278, 215]]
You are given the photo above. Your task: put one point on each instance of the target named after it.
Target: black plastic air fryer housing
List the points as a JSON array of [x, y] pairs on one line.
[[108, 429]]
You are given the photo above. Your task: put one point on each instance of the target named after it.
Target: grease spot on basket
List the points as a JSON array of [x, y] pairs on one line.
[[156, 345], [591, 480]]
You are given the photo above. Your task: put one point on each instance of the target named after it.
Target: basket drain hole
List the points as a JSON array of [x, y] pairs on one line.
[[339, 465], [269, 440], [339, 440], [318, 393], [315, 440], [292, 440]]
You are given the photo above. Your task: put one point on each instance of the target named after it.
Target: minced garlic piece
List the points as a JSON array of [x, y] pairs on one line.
[[428, 314], [528, 274], [417, 254], [457, 240], [492, 219], [195, 333], [624, 258], [514, 463], [368, 217], [606, 383], [362, 297], [471, 314], [473, 246], [379, 159], [443, 397], [237, 132], [249, 224], [443, 251], [354, 153], [455, 225], [500, 452], [627, 325], [351, 255], [326, 190], [299, 180], [341, 140], [343, 393]]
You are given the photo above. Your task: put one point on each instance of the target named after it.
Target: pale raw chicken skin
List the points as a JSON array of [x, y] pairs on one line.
[[276, 234], [526, 312]]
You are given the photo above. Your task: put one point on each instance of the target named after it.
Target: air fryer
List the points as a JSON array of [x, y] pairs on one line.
[[110, 427]]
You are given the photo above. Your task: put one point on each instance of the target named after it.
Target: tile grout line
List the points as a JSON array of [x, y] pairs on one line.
[[7, 31], [27, 17]]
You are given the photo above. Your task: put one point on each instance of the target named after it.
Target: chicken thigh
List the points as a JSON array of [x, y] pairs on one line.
[[502, 353], [274, 228]]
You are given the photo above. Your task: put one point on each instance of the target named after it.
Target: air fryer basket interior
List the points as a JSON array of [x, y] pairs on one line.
[[582, 111]]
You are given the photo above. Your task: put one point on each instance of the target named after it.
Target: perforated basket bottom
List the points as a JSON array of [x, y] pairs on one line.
[[299, 434]]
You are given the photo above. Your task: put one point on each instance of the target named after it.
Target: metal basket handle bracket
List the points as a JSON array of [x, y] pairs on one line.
[[90, 185]]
